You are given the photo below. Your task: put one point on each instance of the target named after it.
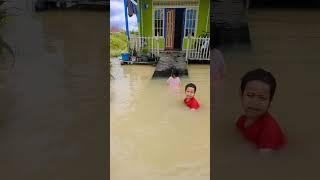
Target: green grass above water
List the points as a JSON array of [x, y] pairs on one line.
[[118, 43]]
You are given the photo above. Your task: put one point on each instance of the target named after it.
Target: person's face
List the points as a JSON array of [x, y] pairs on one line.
[[256, 99], [189, 92]]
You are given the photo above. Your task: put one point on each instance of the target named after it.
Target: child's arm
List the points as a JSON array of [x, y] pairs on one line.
[[168, 81]]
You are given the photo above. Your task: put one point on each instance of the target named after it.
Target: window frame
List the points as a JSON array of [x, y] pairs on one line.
[[194, 20], [154, 19]]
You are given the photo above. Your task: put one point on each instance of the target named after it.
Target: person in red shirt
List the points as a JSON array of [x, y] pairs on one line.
[[257, 125], [190, 100]]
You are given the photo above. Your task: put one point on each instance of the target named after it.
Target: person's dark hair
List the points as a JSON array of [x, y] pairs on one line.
[[175, 73], [191, 85], [261, 75]]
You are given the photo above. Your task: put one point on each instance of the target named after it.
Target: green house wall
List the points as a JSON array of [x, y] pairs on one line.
[[145, 26], [146, 19]]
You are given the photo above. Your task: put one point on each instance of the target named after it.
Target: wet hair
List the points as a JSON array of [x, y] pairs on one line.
[[191, 85], [260, 75], [175, 73]]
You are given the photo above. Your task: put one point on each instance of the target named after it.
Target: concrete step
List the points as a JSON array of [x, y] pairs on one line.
[[169, 61]]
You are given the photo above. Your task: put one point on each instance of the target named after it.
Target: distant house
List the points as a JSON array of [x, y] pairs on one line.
[[174, 25]]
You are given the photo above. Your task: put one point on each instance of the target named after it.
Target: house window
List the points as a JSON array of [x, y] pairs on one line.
[[190, 24], [158, 22]]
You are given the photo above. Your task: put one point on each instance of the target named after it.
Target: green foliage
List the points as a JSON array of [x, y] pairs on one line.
[[118, 43]]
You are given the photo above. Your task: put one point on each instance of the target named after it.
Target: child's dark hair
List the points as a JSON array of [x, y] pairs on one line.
[[191, 85], [175, 73], [261, 75]]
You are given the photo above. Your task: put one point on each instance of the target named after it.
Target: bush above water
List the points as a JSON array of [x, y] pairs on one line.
[[118, 43]]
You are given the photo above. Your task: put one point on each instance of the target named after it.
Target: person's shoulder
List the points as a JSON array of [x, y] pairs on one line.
[[195, 100], [240, 122], [270, 125], [271, 135], [185, 100], [269, 120], [195, 103]]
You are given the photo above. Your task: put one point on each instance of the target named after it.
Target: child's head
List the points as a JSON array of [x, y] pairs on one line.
[[257, 91], [190, 90], [175, 73]]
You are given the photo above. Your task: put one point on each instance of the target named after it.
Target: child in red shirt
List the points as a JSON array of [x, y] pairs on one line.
[[190, 100], [257, 125]]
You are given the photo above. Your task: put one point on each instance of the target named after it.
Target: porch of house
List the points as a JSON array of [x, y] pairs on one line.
[[171, 33], [144, 49]]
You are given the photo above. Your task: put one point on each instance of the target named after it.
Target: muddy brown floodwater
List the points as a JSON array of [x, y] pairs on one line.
[[153, 135], [285, 42], [53, 110]]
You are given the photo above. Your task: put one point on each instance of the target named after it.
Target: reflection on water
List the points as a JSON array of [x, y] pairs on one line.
[[284, 42], [153, 135], [52, 110]]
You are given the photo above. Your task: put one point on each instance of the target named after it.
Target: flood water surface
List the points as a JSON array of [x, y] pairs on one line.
[[284, 42], [153, 135]]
